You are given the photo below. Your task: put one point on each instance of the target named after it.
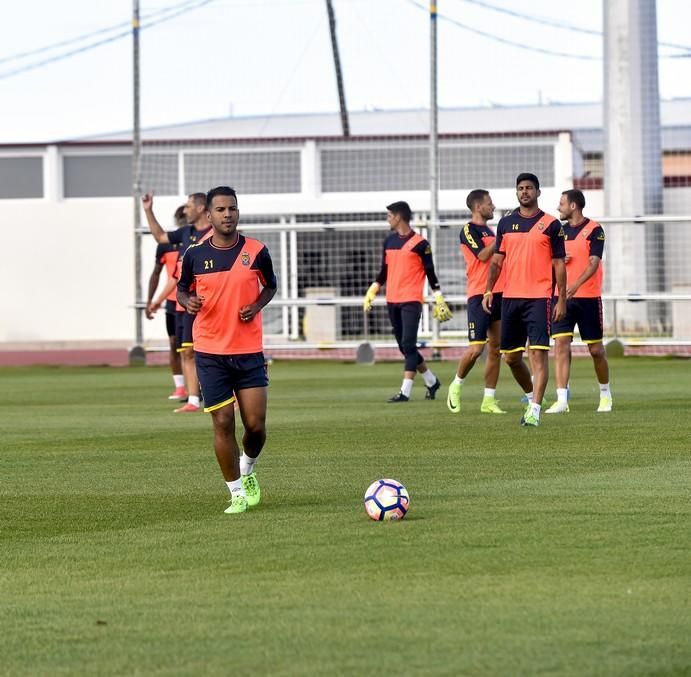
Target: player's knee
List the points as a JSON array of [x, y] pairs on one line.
[[597, 350]]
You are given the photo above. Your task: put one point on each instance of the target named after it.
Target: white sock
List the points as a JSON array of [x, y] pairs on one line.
[[535, 408], [430, 378], [562, 394], [458, 379], [193, 399], [490, 392], [179, 380], [235, 487], [604, 389], [529, 396], [247, 464], [407, 386]]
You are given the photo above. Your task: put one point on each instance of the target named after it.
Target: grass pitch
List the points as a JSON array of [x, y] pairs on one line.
[[562, 550]]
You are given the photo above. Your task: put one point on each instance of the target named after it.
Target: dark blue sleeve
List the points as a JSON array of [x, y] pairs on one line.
[[176, 236], [500, 237], [187, 272], [265, 266], [597, 242], [424, 251], [471, 238], [555, 231], [383, 269]]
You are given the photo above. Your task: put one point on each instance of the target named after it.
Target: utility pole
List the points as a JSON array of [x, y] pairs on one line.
[[337, 65]]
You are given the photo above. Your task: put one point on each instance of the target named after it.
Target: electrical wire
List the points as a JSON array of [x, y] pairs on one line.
[[158, 18]]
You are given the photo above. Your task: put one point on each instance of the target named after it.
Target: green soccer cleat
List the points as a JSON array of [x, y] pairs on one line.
[[453, 399], [237, 504], [529, 419], [605, 404], [558, 408], [251, 487], [490, 406]]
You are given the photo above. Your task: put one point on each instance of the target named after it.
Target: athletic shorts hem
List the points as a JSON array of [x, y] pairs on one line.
[[478, 343], [589, 341], [220, 404], [187, 345], [565, 333], [538, 347], [512, 350]]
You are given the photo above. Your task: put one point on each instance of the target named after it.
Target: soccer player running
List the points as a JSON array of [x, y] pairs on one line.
[[585, 243], [226, 281], [477, 247], [197, 229], [529, 245], [406, 260], [167, 257]]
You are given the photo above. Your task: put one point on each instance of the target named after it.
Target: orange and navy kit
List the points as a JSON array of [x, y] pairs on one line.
[[227, 279], [167, 257], [585, 307], [184, 237], [405, 263], [528, 244], [474, 238]]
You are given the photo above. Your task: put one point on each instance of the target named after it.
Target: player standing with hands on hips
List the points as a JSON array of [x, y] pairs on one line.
[[530, 244], [233, 280], [585, 244], [406, 261]]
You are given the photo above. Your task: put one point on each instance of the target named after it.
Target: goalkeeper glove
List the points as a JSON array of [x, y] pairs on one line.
[[370, 296], [440, 311]]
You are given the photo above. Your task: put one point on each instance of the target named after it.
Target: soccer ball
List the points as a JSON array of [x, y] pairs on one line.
[[386, 500]]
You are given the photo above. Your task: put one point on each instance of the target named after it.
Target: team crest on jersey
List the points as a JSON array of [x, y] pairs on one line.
[[245, 259], [541, 226]]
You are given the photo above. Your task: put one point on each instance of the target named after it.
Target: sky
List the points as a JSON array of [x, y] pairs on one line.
[[217, 58]]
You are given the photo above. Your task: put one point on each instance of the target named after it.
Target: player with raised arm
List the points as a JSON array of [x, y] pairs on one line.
[[226, 281], [197, 229], [406, 261], [477, 248], [167, 257], [530, 244], [585, 244]]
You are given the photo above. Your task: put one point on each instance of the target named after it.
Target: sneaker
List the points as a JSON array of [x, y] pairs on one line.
[[558, 408], [178, 394], [490, 406], [432, 390], [237, 504], [605, 404], [187, 408], [453, 399], [398, 397], [251, 487], [529, 419]]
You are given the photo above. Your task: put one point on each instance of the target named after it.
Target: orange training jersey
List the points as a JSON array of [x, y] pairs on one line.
[[227, 279], [406, 261], [167, 256], [474, 239], [529, 244], [583, 241]]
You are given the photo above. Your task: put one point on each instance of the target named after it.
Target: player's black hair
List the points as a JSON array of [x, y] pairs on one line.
[[576, 196], [402, 209], [527, 176], [475, 197], [199, 198], [220, 190]]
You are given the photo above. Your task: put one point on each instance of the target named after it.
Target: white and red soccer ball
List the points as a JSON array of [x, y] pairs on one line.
[[386, 500]]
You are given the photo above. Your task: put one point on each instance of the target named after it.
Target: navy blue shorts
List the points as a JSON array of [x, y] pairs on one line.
[[170, 318], [221, 376], [587, 314], [478, 320], [525, 320], [183, 330]]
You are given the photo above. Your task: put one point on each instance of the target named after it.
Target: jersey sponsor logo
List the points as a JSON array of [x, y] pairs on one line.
[[245, 259], [428, 249], [469, 237], [601, 236]]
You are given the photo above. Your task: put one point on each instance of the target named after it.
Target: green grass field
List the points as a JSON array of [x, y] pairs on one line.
[[561, 550]]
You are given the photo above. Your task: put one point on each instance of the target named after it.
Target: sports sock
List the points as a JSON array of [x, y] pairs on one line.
[[604, 389], [490, 392], [235, 487], [529, 396], [458, 379], [562, 394], [407, 386], [430, 378], [247, 464], [179, 380], [535, 408], [193, 399]]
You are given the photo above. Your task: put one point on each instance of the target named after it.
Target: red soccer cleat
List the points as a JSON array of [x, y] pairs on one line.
[[187, 408], [178, 394]]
